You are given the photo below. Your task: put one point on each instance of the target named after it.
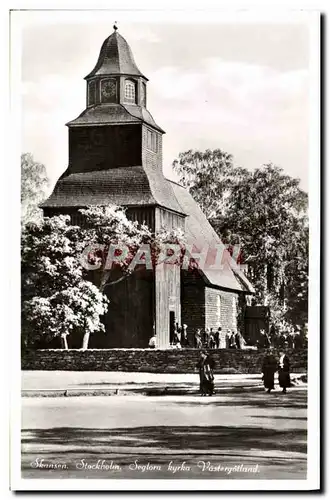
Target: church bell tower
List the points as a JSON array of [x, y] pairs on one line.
[[115, 157]]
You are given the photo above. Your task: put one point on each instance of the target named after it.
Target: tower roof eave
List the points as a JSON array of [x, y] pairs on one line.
[[104, 114]]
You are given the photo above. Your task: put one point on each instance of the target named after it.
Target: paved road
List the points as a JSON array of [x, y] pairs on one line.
[[244, 435]]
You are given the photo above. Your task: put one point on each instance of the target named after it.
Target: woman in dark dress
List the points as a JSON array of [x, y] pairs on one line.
[[269, 367], [284, 372], [205, 366]]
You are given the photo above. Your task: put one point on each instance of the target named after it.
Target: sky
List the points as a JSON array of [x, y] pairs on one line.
[[240, 87]]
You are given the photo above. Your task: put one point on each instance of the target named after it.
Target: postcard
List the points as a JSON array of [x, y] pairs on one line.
[[170, 183]]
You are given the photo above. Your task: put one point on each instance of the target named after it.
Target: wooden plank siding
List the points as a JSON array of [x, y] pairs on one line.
[[167, 283]]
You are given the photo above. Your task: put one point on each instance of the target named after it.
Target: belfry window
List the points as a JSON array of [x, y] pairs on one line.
[[130, 93], [91, 93], [143, 94]]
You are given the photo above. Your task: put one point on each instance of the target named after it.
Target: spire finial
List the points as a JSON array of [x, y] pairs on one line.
[[115, 27]]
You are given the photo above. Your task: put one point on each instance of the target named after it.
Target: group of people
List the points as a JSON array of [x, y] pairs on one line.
[[208, 338], [212, 340], [180, 336], [271, 365], [281, 341], [290, 341]]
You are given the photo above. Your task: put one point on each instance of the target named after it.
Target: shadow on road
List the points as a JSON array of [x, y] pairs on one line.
[[168, 438], [293, 400]]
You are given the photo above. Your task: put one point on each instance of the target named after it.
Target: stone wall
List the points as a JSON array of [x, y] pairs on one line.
[[149, 360]]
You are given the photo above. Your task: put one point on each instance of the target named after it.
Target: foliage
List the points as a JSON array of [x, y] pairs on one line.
[[34, 182], [107, 226], [265, 212], [57, 299], [104, 226], [209, 176]]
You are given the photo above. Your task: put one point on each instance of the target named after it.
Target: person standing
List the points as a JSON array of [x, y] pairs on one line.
[[232, 341], [153, 342], [289, 340], [238, 340], [206, 337], [211, 339], [217, 337], [184, 337], [269, 368], [205, 366], [227, 340], [198, 339], [282, 340], [284, 372], [297, 343], [179, 333], [264, 340], [176, 335]]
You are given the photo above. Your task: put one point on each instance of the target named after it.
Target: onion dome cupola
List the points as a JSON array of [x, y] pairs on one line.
[[116, 77], [115, 80]]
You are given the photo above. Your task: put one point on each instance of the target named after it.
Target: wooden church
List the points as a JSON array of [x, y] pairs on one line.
[[115, 157]]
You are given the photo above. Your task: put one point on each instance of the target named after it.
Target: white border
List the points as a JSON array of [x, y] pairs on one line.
[[195, 12]]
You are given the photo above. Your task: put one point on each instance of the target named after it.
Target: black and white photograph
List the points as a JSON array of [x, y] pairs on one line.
[[169, 304]]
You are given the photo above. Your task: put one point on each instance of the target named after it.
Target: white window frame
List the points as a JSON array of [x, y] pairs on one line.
[[133, 83]]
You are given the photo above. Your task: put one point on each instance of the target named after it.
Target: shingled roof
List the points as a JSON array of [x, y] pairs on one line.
[[106, 114], [126, 186], [115, 58], [138, 186], [200, 233]]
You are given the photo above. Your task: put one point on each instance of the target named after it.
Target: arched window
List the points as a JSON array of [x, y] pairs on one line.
[[130, 91]]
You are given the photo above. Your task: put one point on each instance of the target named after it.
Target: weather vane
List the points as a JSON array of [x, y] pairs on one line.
[[115, 27]]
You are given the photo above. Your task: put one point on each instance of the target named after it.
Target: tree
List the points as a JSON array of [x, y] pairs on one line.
[[210, 177], [56, 298], [265, 212], [106, 226], [296, 278], [34, 182]]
